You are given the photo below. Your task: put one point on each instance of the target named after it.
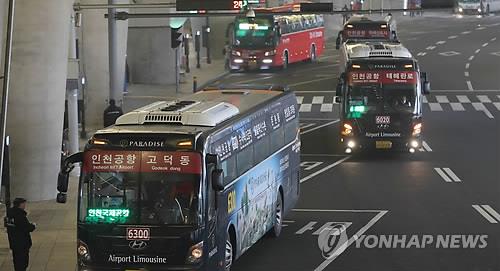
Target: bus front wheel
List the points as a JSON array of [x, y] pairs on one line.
[[278, 221], [228, 253]]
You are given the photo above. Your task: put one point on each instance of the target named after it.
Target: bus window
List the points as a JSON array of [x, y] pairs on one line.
[[229, 169], [261, 149], [277, 139], [244, 160], [291, 130]]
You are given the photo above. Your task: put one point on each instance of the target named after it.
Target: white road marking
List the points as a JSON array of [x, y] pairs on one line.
[[463, 90], [306, 125], [452, 174], [441, 42], [466, 74], [481, 107], [431, 47], [467, 65], [421, 54], [319, 127], [443, 175], [469, 85], [485, 214], [477, 51], [481, 28], [442, 99], [452, 37], [465, 32], [310, 81], [308, 177], [318, 99], [341, 210], [435, 107], [485, 44], [463, 99], [300, 99], [471, 58], [449, 53], [326, 108], [497, 105], [253, 80], [424, 99], [493, 39], [305, 108], [483, 98], [457, 107], [355, 237], [491, 211], [426, 146], [496, 53], [314, 91]]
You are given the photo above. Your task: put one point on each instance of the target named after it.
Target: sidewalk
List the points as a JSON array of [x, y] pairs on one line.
[[54, 241]]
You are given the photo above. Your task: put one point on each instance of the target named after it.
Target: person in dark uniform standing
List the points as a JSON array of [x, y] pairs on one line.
[[18, 230], [111, 113]]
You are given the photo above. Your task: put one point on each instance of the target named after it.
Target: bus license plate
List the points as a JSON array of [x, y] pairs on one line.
[[383, 144], [138, 233]]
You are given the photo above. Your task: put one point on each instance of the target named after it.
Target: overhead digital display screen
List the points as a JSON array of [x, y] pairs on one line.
[[188, 5]]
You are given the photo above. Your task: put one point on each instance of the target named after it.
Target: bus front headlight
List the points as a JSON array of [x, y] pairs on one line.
[[346, 129], [195, 253], [417, 129], [460, 9], [83, 251]]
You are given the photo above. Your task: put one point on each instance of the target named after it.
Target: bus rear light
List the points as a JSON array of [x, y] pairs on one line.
[[383, 26], [350, 26], [408, 66], [355, 66], [238, 60], [346, 129], [267, 61]]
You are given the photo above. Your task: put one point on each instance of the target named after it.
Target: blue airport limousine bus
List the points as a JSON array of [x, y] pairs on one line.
[[188, 184]]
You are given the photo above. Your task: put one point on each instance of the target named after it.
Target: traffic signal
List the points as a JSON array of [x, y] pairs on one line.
[[175, 35]]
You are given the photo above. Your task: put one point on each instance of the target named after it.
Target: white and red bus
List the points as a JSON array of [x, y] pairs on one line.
[[261, 40]]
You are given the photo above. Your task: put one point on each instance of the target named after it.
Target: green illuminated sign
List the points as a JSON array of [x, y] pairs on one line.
[[357, 108], [108, 215]]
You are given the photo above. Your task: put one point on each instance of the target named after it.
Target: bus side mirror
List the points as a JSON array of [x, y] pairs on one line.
[[337, 42], [217, 180], [426, 85], [63, 177]]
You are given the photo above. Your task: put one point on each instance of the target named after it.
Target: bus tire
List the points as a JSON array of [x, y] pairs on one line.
[[285, 60], [228, 252], [278, 217]]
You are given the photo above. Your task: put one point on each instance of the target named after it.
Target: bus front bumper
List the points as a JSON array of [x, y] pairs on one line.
[[353, 144], [159, 268], [251, 64]]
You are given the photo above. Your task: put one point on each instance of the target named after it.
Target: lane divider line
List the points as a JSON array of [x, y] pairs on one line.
[[485, 214], [478, 50], [481, 107], [485, 44], [452, 174], [467, 65], [493, 39], [308, 177], [471, 58], [426, 146], [443, 175], [452, 37], [351, 240], [469, 85], [466, 74], [319, 127]]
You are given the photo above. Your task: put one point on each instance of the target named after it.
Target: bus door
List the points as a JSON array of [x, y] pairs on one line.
[[215, 246]]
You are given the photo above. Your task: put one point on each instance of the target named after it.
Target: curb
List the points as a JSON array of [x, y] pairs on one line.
[[213, 80]]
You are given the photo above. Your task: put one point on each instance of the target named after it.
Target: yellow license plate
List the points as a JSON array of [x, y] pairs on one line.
[[383, 144]]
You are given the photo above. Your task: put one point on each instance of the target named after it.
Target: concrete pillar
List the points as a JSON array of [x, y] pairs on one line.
[[94, 54], [36, 102], [3, 25]]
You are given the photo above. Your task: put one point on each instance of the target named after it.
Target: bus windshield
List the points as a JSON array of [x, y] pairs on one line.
[[254, 33], [380, 98], [156, 188]]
